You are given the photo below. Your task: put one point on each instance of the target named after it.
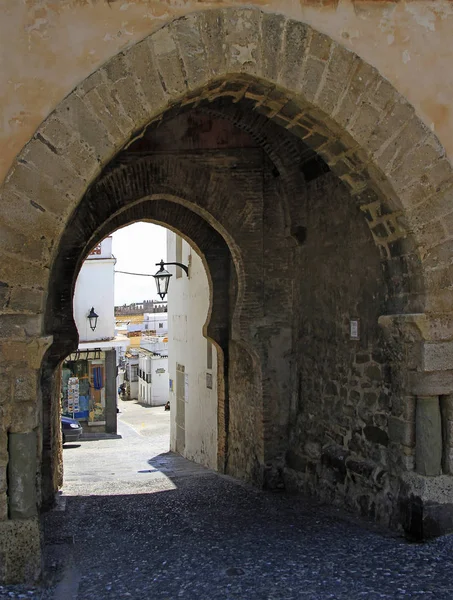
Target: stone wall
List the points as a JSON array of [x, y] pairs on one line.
[[341, 441]]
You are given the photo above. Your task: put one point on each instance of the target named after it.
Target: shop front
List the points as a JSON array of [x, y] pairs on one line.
[[83, 393]]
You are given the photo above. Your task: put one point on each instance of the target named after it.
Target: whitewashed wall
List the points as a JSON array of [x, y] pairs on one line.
[[95, 288], [156, 321], [188, 304]]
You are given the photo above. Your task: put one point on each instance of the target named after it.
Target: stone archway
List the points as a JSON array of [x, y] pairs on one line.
[[299, 79]]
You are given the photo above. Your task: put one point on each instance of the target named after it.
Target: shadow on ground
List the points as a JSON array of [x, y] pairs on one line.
[[210, 537]]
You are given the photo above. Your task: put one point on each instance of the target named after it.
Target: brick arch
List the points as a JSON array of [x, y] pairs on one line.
[[77, 241]]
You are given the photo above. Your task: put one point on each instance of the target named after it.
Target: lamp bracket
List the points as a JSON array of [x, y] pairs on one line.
[[177, 264]]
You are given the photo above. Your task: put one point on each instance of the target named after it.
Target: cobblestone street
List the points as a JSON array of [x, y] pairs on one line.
[[135, 521]]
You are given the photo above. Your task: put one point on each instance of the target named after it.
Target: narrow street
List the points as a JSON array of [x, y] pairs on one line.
[[135, 521]]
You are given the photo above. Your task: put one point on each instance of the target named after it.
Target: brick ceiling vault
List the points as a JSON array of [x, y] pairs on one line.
[[338, 105]]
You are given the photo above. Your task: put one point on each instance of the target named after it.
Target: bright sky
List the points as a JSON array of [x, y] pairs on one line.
[[137, 248]]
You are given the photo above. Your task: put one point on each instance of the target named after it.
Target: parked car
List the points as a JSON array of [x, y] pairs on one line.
[[71, 429]]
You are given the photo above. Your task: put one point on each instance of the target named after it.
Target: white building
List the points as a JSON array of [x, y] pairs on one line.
[[153, 377], [192, 358], [156, 322], [131, 375], [89, 376]]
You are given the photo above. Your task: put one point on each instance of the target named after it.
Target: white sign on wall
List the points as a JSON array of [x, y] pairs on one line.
[[354, 329]]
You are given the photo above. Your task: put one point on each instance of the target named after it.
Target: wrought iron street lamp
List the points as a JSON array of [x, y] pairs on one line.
[[93, 319], [162, 277]]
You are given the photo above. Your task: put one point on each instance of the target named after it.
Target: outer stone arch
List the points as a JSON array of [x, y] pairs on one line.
[[339, 105], [364, 129]]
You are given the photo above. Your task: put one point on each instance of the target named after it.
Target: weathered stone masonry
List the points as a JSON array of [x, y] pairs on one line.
[[310, 106]]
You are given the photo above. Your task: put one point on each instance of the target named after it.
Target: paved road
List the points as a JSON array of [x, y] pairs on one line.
[[140, 523]]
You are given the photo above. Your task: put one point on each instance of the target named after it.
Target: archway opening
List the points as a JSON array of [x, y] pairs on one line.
[[298, 281]]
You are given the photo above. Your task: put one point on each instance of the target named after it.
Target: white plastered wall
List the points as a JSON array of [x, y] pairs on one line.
[[95, 288], [188, 304]]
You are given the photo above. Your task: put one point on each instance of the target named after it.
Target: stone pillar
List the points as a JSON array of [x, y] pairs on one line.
[[446, 410], [110, 391], [22, 501], [428, 446], [20, 535]]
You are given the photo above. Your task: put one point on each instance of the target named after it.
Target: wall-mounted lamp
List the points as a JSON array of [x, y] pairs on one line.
[[162, 277], [93, 319]]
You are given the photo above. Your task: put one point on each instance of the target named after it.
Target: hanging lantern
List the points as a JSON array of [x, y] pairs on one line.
[[93, 319], [162, 278]]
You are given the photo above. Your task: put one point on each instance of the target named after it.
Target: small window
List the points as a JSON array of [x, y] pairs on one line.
[[209, 355], [161, 325], [178, 256]]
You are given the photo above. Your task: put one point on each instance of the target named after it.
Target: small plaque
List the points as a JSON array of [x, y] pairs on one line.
[[354, 329], [209, 381]]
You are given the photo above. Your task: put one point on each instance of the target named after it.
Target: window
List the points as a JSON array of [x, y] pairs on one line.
[[209, 355], [134, 372], [178, 256], [161, 325]]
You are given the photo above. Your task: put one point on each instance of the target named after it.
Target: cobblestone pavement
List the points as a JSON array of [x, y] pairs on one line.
[[135, 521]]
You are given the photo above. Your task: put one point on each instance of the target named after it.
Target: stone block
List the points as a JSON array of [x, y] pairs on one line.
[[364, 78], [289, 62], [243, 40], [53, 166], [312, 77], [19, 326], [376, 435], [428, 449], [25, 386], [187, 35], [341, 65], [425, 506], [438, 356], [363, 123], [25, 353], [31, 219], [20, 551], [77, 114], [168, 63], [435, 383], [22, 448], [97, 95], [320, 45], [26, 299], [35, 185], [413, 166], [142, 66], [24, 417], [213, 37], [13, 241]]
